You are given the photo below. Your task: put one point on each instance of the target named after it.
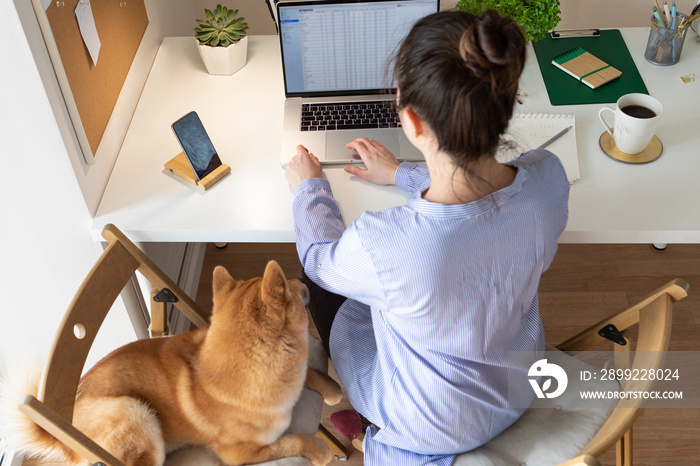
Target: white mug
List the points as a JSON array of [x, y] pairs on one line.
[[636, 119]]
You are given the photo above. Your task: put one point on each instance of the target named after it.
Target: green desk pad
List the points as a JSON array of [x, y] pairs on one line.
[[563, 89]]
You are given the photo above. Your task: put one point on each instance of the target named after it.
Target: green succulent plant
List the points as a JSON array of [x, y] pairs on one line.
[[535, 17], [222, 27]]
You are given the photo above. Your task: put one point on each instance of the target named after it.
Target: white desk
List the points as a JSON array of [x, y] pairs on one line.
[[611, 203]]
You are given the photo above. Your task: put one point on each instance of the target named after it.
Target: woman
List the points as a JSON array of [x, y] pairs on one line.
[[440, 290]]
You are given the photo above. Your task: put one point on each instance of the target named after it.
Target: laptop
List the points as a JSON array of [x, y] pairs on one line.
[[336, 61]]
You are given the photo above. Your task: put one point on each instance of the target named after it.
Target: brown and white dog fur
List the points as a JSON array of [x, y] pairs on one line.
[[230, 387]]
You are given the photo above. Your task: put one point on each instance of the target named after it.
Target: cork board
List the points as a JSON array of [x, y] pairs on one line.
[[90, 90]]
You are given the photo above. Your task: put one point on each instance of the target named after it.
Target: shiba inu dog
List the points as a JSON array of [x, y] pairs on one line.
[[230, 387]]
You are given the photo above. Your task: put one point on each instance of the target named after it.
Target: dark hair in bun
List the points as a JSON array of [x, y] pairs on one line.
[[459, 72]]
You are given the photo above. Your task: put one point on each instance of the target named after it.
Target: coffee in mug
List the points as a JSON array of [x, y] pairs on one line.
[[636, 118], [638, 111]]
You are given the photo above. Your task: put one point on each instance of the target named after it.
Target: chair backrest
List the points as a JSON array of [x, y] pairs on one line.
[[87, 311]]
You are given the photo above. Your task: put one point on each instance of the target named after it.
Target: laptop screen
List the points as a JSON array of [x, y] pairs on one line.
[[344, 47]]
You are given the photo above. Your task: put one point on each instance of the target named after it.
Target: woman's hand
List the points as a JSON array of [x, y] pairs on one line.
[[303, 165], [381, 164]]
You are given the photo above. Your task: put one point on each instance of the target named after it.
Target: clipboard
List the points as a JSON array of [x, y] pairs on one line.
[[610, 47]]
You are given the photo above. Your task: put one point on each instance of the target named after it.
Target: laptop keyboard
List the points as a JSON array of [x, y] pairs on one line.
[[350, 115]]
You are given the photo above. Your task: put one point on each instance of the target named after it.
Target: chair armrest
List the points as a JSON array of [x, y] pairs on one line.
[[676, 289]]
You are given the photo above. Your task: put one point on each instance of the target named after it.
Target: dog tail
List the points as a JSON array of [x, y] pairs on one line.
[[17, 431]]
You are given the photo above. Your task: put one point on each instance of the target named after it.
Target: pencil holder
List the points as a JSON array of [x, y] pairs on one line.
[[665, 44]]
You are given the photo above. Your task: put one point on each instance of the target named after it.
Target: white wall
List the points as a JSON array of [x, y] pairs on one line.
[[45, 245], [611, 13], [181, 21], [604, 13]]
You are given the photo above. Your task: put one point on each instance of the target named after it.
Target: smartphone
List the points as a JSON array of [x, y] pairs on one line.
[[196, 144]]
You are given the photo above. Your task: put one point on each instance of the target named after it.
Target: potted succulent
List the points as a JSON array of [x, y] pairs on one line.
[[222, 40], [535, 17]]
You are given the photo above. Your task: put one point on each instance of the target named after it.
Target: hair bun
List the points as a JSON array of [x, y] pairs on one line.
[[490, 44]]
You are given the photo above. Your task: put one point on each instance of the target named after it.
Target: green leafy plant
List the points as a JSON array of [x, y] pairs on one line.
[[222, 27], [535, 17]]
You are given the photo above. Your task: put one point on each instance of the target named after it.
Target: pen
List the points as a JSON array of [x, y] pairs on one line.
[[667, 13], [657, 5], [658, 18], [673, 15], [555, 137]]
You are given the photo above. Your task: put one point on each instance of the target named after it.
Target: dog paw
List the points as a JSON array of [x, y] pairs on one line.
[[334, 398], [320, 454], [325, 386], [334, 394]]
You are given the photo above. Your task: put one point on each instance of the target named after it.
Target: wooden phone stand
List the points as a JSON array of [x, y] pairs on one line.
[[181, 167]]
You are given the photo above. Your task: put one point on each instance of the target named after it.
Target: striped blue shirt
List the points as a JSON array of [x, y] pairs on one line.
[[438, 297]]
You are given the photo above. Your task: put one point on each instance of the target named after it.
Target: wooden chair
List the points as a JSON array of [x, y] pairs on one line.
[[52, 409], [562, 431]]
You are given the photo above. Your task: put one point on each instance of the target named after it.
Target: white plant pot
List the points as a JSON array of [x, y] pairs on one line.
[[224, 60]]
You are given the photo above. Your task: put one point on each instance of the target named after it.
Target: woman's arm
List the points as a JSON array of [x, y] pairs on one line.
[[384, 169], [332, 256], [412, 177]]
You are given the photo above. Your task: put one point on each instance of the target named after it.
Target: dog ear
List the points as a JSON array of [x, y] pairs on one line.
[[274, 283], [300, 289], [222, 280]]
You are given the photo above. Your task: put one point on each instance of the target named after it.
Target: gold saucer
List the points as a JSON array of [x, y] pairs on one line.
[[649, 154]]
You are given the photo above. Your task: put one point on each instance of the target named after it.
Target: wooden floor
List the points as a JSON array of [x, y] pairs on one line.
[[584, 284]]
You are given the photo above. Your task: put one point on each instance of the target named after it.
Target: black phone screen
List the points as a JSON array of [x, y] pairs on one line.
[[196, 144]]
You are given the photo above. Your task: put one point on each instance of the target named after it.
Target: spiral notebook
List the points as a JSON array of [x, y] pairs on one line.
[[586, 67], [528, 131]]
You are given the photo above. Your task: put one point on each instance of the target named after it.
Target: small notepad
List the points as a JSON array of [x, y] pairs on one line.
[[586, 67], [529, 130]]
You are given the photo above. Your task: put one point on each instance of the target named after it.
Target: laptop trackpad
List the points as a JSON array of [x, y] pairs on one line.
[[336, 141]]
